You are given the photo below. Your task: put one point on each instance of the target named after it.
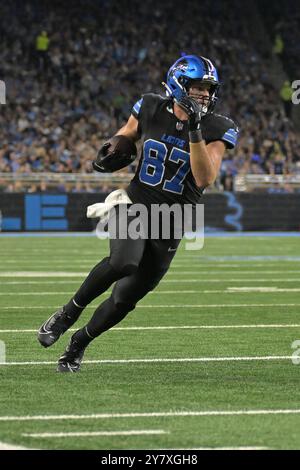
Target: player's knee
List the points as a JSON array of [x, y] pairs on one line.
[[122, 301], [123, 307], [125, 268]]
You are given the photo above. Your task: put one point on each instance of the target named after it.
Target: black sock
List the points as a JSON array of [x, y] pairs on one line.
[[73, 311], [82, 337]]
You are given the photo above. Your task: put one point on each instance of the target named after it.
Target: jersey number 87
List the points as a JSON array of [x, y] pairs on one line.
[[153, 166]]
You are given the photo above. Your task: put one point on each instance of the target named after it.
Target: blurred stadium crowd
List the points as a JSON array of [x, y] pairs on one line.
[[73, 70], [283, 22]]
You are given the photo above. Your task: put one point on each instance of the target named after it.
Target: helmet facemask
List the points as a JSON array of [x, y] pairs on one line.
[[207, 102]]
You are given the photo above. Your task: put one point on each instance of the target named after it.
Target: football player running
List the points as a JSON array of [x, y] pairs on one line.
[[183, 145]]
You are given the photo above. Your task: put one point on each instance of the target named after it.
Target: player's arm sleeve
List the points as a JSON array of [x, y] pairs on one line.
[[144, 110], [222, 128], [136, 110], [230, 136]]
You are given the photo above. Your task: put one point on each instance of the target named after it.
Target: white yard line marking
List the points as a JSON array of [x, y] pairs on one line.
[[178, 261], [43, 307], [142, 432], [50, 250], [198, 281], [219, 305], [5, 446], [39, 293], [173, 292], [228, 280], [181, 253], [172, 271], [157, 360], [222, 448], [153, 414], [61, 262], [183, 327], [228, 290], [247, 290], [262, 289], [233, 271], [42, 274]]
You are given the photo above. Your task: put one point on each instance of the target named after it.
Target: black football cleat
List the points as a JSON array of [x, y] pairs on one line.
[[71, 359], [53, 328]]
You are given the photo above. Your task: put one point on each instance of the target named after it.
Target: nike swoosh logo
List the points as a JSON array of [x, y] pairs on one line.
[[172, 249], [43, 330]]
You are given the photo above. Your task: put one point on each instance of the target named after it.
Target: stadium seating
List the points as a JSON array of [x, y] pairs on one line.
[[65, 100]]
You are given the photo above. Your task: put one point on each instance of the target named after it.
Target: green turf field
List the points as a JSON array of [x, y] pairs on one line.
[[204, 361]]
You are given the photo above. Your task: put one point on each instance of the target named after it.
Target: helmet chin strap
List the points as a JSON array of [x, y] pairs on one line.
[[168, 89]]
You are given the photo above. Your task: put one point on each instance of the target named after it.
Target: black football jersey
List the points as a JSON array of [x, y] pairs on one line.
[[163, 174]]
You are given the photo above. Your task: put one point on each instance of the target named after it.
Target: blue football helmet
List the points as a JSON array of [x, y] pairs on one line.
[[188, 68]]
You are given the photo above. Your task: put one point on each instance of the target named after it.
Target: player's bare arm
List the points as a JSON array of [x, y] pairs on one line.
[[130, 129], [205, 161]]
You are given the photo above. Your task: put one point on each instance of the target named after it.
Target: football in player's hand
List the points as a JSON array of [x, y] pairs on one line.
[[122, 145], [119, 151]]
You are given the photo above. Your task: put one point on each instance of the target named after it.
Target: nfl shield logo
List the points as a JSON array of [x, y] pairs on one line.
[[179, 126]]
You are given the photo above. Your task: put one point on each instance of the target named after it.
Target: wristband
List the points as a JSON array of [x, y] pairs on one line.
[[195, 136]]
